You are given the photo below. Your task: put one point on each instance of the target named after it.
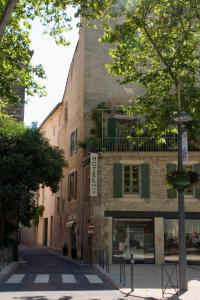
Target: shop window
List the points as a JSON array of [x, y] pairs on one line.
[[73, 142], [72, 185], [133, 236], [192, 234], [131, 180]]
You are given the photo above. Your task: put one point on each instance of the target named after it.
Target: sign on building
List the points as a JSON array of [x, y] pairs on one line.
[[184, 147], [93, 174]]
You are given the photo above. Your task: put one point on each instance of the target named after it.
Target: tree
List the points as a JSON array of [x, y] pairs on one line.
[[16, 17], [27, 160], [156, 45]]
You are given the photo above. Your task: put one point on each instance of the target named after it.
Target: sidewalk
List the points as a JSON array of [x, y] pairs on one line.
[[148, 282]]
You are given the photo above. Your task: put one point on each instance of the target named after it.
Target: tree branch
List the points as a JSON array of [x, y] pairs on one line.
[[7, 12], [160, 54]]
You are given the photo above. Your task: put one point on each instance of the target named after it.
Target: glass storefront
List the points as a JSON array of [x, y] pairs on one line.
[[192, 231], [133, 236]]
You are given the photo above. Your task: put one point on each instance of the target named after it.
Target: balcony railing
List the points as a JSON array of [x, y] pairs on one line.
[[134, 145]]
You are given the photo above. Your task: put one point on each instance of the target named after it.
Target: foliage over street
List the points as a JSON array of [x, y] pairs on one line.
[[156, 45], [27, 160]]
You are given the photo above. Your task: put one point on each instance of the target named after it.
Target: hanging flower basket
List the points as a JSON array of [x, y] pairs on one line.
[[182, 179]]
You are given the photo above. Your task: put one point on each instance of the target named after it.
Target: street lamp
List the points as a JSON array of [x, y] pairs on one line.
[[181, 118]]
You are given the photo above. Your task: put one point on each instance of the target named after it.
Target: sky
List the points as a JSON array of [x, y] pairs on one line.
[[56, 62]]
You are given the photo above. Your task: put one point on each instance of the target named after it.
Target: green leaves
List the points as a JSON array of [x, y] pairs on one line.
[[27, 160], [156, 45]]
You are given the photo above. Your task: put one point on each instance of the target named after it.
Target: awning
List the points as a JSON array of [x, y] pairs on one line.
[[70, 223]]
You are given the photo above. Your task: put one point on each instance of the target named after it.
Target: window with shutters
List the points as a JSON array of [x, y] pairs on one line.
[[58, 205], [72, 185], [131, 179], [73, 142], [189, 191], [193, 191]]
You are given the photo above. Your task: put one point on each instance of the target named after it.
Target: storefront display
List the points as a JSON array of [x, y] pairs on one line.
[[192, 231], [133, 236]]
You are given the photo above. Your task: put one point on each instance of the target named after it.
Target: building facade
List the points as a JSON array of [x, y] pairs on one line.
[[120, 204]]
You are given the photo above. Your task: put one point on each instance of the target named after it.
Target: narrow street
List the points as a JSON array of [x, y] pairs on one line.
[[44, 275]]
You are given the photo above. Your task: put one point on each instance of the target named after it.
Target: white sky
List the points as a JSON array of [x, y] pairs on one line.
[[56, 62]]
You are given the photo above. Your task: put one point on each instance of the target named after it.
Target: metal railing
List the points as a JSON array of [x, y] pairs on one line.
[[104, 260], [169, 273], [135, 144], [6, 257], [122, 270]]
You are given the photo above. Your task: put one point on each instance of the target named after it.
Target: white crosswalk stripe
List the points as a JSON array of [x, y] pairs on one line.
[[68, 278], [42, 278], [94, 279], [16, 278]]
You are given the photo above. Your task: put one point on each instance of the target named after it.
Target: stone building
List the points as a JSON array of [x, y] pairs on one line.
[[122, 204], [17, 111]]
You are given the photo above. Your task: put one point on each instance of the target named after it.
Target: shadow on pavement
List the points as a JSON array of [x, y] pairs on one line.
[[39, 298]]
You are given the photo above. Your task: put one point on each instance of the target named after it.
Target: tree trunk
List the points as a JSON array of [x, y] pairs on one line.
[[6, 14]]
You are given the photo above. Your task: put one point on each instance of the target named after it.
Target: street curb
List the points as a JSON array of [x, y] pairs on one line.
[[120, 287], [9, 268], [104, 273]]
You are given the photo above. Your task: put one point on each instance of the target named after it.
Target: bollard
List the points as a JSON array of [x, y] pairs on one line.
[[132, 263]]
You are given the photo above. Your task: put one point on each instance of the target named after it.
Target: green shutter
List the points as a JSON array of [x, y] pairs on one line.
[[171, 193], [117, 180], [145, 184], [196, 168], [68, 187], [75, 184], [112, 127]]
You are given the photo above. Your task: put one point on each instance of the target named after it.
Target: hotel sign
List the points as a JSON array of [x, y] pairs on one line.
[[93, 174]]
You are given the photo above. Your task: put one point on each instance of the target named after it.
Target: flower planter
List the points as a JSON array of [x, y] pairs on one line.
[[181, 183], [181, 180]]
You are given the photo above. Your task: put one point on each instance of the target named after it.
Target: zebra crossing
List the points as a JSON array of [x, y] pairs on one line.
[[45, 278]]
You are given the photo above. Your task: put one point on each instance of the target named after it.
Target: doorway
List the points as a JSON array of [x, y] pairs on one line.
[[45, 232]]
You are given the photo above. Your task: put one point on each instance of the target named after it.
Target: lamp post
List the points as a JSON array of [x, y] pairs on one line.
[[181, 119]]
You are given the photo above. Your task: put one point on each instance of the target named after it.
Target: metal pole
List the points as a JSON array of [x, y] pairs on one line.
[[181, 213], [132, 262], [102, 130], [90, 249]]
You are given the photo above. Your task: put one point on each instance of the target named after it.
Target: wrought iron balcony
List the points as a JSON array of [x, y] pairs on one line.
[[134, 145]]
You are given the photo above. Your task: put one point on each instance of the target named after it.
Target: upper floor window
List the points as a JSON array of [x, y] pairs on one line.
[[54, 130], [121, 126], [193, 190], [73, 141], [189, 190], [58, 205], [72, 185], [131, 179]]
